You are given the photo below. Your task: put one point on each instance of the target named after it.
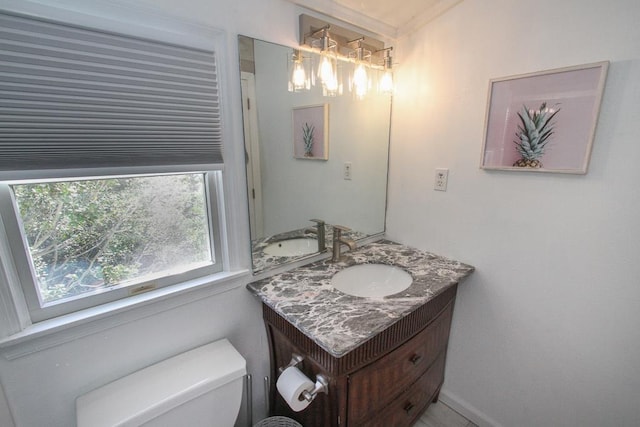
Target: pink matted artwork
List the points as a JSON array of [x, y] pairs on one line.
[[543, 122], [311, 132]]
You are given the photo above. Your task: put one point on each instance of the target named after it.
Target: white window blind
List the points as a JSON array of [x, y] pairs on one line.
[[72, 97]]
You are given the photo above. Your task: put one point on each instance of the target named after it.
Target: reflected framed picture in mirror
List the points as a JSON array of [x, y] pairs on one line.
[[311, 132]]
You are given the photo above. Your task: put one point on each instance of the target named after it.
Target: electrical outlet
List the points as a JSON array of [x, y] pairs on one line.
[[346, 171], [442, 176]]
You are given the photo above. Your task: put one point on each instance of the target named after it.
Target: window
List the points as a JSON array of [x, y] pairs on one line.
[[87, 241], [110, 164]]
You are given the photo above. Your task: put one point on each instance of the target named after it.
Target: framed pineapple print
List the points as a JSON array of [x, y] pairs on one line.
[[545, 121], [311, 132]]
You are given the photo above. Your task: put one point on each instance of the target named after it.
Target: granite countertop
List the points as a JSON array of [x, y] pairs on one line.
[[338, 322]]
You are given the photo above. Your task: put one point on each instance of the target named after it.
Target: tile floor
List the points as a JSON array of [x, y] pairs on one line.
[[440, 415]]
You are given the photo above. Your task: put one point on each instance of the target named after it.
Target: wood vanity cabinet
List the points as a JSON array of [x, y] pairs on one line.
[[387, 381]]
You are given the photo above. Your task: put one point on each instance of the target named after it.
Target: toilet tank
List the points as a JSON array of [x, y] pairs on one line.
[[202, 387]]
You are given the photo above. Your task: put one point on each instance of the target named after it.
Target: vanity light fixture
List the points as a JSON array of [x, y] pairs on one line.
[[385, 85], [342, 48], [299, 72], [359, 82]]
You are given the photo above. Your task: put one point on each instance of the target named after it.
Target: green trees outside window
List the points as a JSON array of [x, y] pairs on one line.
[[88, 236]]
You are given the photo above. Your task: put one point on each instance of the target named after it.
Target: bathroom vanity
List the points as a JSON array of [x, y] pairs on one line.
[[384, 357]]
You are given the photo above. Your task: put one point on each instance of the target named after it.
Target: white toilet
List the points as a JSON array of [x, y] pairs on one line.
[[202, 387]]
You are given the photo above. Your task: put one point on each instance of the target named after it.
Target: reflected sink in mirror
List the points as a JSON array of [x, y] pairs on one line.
[[263, 261], [292, 247], [371, 280]]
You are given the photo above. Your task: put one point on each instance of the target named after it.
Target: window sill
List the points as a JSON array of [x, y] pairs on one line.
[[49, 333]]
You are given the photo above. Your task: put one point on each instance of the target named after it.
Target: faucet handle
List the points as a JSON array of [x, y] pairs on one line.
[[341, 228]]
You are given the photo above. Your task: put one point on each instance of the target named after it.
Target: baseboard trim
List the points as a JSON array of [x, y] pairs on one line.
[[468, 411]]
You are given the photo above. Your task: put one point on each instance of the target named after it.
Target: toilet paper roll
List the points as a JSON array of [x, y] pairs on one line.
[[291, 384]]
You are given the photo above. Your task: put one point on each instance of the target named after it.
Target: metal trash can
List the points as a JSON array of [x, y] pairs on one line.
[[277, 422]]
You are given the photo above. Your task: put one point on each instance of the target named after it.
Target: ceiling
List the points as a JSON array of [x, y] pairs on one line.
[[386, 17]]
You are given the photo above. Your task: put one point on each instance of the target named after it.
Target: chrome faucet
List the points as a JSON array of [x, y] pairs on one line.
[[319, 231], [338, 240]]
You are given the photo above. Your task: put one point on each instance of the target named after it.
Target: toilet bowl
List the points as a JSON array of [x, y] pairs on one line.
[[202, 387]]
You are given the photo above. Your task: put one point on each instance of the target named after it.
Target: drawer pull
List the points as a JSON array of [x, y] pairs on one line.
[[408, 407], [415, 359]]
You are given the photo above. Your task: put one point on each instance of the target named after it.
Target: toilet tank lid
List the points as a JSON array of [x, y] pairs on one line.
[[145, 394]]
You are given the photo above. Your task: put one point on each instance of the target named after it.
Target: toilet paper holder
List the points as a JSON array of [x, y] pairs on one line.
[[296, 359], [321, 386]]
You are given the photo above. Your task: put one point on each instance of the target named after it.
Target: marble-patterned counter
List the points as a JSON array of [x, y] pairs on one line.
[[338, 322]]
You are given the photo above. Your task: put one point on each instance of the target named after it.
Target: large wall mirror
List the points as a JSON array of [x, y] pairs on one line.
[[286, 190]]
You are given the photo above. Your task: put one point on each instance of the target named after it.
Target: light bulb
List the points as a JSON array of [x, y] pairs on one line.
[[360, 81], [386, 82], [299, 77], [326, 70], [298, 72], [331, 84]]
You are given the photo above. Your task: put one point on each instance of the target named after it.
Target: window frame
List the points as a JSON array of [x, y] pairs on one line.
[[23, 264]]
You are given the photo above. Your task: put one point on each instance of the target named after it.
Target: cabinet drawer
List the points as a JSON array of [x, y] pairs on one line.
[[411, 404], [376, 385]]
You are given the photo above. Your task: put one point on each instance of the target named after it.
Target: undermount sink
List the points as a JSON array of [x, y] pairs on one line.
[[292, 247], [371, 280]]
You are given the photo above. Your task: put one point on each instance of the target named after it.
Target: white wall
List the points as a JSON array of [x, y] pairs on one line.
[[546, 330], [41, 387]]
